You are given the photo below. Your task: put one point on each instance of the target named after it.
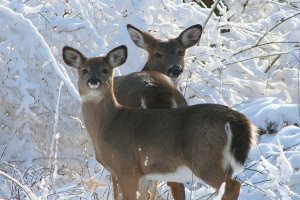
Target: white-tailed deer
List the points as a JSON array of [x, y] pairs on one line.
[[209, 141], [167, 56], [152, 89]]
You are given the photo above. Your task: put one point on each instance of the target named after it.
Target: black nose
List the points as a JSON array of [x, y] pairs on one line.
[[175, 71], [94, 80]]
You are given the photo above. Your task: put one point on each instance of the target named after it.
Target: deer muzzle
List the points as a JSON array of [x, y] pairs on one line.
[[175, 71], [94, 82]]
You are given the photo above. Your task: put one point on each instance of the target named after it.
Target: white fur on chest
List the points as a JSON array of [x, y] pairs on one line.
[[181, 175]]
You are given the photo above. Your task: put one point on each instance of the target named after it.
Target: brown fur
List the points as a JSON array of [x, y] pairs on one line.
[[156, 88]]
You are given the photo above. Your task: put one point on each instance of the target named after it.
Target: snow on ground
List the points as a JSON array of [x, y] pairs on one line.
[[248, 59]]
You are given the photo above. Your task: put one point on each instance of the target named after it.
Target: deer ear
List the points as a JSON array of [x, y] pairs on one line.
[[190, 36], [73, 57], [117, 56], [140, 38]]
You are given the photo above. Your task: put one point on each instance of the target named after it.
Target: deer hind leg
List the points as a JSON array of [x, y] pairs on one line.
[[129, 186], [215, 176], [232, 189], [177, 190]]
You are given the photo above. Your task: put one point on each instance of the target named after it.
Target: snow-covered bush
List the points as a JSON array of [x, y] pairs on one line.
[[249, 52]]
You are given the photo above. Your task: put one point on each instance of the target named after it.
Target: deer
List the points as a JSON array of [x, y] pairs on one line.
[[207, 141], [154, 85]]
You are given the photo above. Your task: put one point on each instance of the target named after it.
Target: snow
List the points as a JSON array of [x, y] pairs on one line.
[[45, 151]]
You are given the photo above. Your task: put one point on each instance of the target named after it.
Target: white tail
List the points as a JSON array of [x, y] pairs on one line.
[[192, 139]]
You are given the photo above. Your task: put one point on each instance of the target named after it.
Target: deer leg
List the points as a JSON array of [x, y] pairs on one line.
[[232, 189], [129, 186], [216, 176], [116, 189], [177, 190]]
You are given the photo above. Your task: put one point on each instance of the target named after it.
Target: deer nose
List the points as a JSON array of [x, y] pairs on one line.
[[94, 80], [174, 71]]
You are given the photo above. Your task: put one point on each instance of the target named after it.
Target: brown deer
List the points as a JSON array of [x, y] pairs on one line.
[[152, 89], [209, 141]]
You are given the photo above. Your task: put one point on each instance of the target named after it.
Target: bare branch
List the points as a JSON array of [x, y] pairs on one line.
[[272, 63], [282, 21], [27, 191], [263, 56], [259, 45], [211, 12]]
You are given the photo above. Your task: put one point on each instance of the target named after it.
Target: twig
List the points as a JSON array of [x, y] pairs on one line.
[[283, 20], [245, 169], [287, 148], [165, 7], [284, 149], [27, 191], [259, 45], [43, 157], [211, 12], [208, 195], [251, 185], [272, 63], [263, 56], [18, 129], [244, 6], [45, 18]]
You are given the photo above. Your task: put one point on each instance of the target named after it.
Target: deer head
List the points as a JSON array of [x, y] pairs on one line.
[[166, 57], [95, 74]]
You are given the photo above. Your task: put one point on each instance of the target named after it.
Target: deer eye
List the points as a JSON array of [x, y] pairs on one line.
[[85, 71], [157, 55], [180, 53], [104, 71]]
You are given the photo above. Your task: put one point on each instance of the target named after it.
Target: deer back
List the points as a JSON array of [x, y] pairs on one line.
[[147, 90]]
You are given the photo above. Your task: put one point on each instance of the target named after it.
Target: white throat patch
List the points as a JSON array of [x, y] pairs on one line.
[[92, 95]]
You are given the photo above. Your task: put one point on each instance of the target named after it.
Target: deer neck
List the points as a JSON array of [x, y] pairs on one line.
[[146, 68], [98, 113]]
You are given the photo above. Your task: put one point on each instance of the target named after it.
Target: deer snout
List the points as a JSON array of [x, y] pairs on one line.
[[94, 82], [174, 71]]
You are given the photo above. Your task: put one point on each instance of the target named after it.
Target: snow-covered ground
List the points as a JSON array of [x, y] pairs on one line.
[[45, 151]]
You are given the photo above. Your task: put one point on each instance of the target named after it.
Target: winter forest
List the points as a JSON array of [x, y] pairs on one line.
[[248, 58]]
